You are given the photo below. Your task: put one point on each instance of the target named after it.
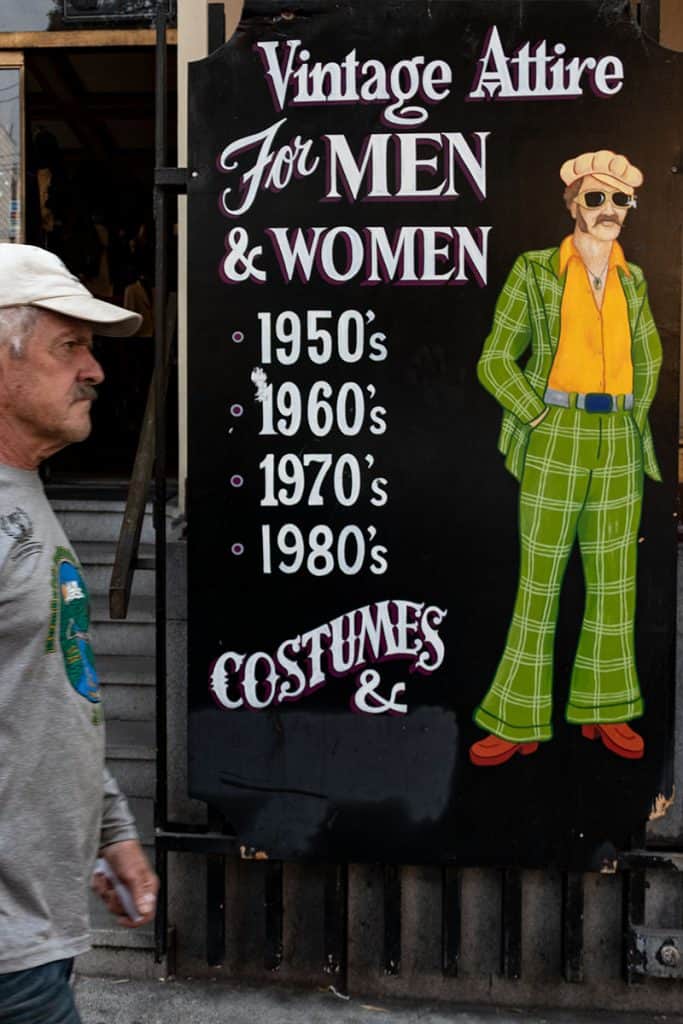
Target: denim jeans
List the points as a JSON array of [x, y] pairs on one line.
[[40, 995]]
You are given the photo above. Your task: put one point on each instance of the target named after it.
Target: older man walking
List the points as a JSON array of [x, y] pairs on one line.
[[576, 434], [58, 804]]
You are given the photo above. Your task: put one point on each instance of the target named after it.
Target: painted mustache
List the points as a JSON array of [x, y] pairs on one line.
[[606, 218]]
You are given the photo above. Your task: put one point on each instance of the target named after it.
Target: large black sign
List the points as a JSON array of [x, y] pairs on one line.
[[432, 564]]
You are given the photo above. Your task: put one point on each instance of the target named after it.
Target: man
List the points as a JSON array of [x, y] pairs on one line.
[[58, 804], [575, 433]]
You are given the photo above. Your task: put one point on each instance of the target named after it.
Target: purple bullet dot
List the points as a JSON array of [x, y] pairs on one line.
[[237, 336], [236, 410], [237, 549], [236, 480]]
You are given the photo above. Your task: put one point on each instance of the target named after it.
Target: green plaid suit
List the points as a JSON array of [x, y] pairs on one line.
[[581, 477]]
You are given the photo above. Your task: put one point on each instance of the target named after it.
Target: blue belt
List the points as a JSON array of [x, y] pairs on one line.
[[594, 401]]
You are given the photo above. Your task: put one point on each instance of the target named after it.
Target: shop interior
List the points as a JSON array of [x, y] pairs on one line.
[[88, 136]]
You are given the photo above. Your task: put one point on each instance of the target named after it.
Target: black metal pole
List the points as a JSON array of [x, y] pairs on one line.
[[392, 920], [451, 927], [512, 924], [161, 802], [274, 907], [336, 910], [572, 926]]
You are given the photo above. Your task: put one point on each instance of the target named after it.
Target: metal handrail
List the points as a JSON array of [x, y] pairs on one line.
[[126, 560]]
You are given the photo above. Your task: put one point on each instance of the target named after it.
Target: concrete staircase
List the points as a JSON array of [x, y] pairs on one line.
[[124, 652]]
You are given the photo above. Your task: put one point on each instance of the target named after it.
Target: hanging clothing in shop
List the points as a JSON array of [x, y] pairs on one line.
[[137, 298], [100, 285]]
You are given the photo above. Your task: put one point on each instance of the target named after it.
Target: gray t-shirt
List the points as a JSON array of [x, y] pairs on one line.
[[56, 806]]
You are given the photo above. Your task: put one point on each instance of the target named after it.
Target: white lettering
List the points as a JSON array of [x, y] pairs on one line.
[[332, 268], [390, 261], [353, 81], [609, 76], [220, 679], [410, 163], [410, 257], [273, 169], [296, 250], [253, 683], [279, 73], [539, 72], [340, 160], [388, 630]]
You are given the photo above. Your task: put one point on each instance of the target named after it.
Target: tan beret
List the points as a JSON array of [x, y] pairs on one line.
[[608, 167]]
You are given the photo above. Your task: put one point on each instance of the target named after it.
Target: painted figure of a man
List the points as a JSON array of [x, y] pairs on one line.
[[575, 433]]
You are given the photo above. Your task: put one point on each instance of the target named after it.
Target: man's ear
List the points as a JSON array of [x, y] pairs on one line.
[[572, 210]]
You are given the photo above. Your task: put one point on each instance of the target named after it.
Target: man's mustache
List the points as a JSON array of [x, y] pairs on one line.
[[606, 218], [85, 391]]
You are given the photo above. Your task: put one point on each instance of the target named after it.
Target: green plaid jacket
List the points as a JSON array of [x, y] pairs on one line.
[[527, 315]]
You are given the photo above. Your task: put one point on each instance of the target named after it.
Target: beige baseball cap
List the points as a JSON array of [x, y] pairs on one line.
[[30, 276], [608, 167]]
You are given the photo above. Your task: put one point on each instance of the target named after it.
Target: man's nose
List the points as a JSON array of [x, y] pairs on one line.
[[91, 371]]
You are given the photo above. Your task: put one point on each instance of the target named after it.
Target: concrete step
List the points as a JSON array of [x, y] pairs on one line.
[[136, 778], [126, 670], [86, 520], [100, 552], [113, 937], [128, 685], [131, 636], [130, 739], [140, 609], [131, 756], [129, 702], [123, 638], [97, 559], [110, 958]]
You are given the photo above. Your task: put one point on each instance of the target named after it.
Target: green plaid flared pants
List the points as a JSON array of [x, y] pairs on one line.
[[583, 478]]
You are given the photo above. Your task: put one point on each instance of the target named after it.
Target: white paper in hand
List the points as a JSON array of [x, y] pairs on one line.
[[102, 867]]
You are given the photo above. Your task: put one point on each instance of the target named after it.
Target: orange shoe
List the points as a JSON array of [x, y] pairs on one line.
[[493, 750], [620, 739]]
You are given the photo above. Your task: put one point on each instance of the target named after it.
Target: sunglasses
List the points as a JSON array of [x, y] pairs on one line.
[[594, 199]]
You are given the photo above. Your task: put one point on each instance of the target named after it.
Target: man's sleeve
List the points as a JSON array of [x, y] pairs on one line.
[[117, 821], [510, 336], [647, 362]]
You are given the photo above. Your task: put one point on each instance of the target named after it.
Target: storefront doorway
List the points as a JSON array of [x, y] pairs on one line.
[[76, 177]]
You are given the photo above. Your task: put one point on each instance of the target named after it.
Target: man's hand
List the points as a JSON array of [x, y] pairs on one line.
[[129, 862]]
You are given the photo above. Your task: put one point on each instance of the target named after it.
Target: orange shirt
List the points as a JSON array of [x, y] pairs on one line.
[[594, 350]]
